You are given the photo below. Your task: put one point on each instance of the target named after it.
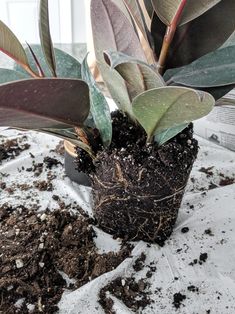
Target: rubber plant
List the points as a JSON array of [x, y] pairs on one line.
[[162, 67]]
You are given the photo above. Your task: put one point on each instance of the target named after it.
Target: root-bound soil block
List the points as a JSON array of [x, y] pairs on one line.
[[138, 187]]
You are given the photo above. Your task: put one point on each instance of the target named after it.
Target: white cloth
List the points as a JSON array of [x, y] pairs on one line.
[[216, 210]]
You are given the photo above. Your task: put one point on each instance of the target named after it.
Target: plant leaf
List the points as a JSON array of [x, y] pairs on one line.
[[166, 135], [138, 74], [195, 39], [99, 106], [45, 36], [167, 107], [167, 9], [38, 65], [149, 8], [138, 17], [10, 45], [219, 91], [66, 65], [44, 103], [113, 31], [214, 69], [67, 135], [7, 75], [134, 10]]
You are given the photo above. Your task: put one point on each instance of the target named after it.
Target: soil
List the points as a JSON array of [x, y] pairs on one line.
[[178, 299], [202, 259], [38, 249], [138, 187], [134, 294], [9, 149], [35, 247]]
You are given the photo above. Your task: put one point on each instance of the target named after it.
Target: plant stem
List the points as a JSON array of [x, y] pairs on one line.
[[30, 71], [168, 38]]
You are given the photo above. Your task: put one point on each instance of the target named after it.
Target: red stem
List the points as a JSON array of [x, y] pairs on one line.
[[169, 35]]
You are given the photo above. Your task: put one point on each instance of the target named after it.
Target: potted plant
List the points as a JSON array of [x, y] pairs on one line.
[[138, 158]]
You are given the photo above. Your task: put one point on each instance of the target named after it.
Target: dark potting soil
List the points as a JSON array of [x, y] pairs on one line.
[[178, 299], [35, 246], [138, 187], [132, 293], [9, 149]]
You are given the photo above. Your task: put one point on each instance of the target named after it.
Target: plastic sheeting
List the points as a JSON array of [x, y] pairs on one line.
[[201, 209]]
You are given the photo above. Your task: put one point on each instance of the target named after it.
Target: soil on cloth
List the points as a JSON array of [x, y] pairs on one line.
[[44, 253], [138, 187], [37, 249]]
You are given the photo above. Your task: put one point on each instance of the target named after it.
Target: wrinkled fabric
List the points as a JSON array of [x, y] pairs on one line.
[[200, 210]]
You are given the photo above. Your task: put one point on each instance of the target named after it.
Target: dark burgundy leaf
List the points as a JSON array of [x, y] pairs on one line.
[[44, 103]]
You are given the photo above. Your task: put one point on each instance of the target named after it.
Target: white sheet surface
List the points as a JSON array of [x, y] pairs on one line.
[[214, 209]]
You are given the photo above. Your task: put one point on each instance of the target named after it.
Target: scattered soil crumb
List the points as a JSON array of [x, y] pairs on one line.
[[133, 294], [185, 230], [50, 162], [43, 185], [207, 171], [209, 232], [193, 288], [139, 262], [203, 257], [226, 181], [178, 299], [9, 149]]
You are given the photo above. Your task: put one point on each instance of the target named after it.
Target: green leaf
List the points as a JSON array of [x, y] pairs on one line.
[[99, 106], [7, 75], [10, 45], [196, 38], [214, 69], [44, 103], [149, 7], [219, 91], [68, 135], [167, 9], [166, 135], [167, 107], [113, 31], [45, 36], [66, 65], [138, 74]]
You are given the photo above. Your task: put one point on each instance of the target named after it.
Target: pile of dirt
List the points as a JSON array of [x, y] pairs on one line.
[[38, 249]]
